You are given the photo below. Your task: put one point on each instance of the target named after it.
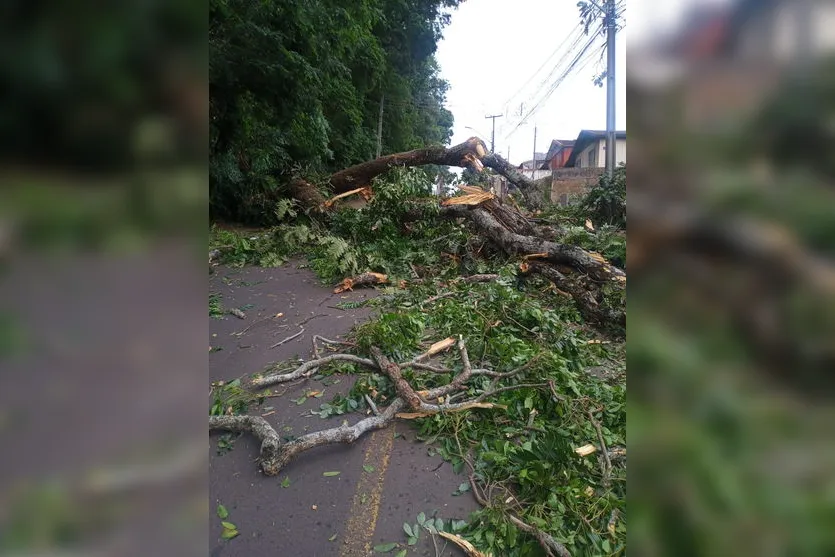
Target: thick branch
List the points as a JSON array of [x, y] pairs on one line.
[[260, 428], [517, 244], [463, 154], [275, 456], [400, 385], [592, 311]]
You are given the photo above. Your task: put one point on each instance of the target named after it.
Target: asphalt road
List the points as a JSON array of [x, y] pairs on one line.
[[386, 478]]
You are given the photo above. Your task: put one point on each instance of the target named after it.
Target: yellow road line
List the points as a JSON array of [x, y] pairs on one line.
[[358, 535]]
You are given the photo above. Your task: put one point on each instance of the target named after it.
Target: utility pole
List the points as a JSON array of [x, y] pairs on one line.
[[493, 137], [611, 25], [533, 162], [380, 127]]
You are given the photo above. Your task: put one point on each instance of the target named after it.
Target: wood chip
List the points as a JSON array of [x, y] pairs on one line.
[[365, 191], [468, 548], [440, 346], [585, 450]]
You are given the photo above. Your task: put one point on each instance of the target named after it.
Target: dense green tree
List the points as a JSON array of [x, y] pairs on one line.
[[298, 86]]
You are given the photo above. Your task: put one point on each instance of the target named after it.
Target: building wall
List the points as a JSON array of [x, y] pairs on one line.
[[594, 156], [560, 158], [568, 185]]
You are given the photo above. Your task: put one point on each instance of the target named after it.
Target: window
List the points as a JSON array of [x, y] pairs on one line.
[[592, 157]]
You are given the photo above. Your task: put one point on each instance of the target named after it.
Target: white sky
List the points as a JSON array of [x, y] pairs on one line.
[[492, 47]]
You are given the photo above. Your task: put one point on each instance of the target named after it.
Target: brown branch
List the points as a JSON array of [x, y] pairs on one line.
[[400, 385], [583, 295], [607, 464], [275, 456], [551, 546], [517, 244]]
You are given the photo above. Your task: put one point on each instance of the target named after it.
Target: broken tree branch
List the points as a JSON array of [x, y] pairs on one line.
[[274, 455], [365, 279], [307, 369], [400, 385]]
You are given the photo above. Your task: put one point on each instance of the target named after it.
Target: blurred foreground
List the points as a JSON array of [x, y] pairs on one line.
[[732, 283], [102, 251]]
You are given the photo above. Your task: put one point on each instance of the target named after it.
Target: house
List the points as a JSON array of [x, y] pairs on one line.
[[589, 149], [558, 154], [532, 164]]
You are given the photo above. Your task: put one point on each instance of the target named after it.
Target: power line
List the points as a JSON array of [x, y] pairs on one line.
[[571, 67], [576, 31], [544, 83]]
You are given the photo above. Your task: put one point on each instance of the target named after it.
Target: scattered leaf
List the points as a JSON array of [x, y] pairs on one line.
[[368, 468], [385, 547], [330, 474], [285, 482], [330, 539], [228, 525], [228, 534], [222, 513]]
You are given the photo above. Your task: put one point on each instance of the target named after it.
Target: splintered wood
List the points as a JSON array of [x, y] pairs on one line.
[[472, 196], [468, 548], [439, 346], [365, 279], [585, 450], [364, 191]]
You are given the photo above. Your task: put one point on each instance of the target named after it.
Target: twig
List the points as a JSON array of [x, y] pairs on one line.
[[371, 405], [288, 339], [311, 318], [241, 332], [607, 466], [308, 368], [438, 297], [551, 546]]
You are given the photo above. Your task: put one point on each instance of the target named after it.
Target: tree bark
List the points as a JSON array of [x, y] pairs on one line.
[[472, 153], [514, 243]]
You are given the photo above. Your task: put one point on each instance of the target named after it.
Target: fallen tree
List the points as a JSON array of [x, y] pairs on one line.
[[469, 154], [582, 274]]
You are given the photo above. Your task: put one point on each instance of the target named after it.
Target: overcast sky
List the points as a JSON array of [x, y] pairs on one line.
[[493, 47]]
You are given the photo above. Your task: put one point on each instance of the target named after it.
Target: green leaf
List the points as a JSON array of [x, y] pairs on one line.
[[412, 540], [439, 524], [368, 468], [606, 547], [228, 534], [385, 547], [421, 518], [408, 529], [222, 512], [401, 553], [285, 482], [330, 539], [330, 474], [464, 487], [228, 525]]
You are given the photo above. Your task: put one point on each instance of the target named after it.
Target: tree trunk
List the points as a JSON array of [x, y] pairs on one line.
[[469, 154]]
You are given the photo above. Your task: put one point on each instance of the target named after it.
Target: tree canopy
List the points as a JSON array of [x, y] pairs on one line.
[[298, 86]]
